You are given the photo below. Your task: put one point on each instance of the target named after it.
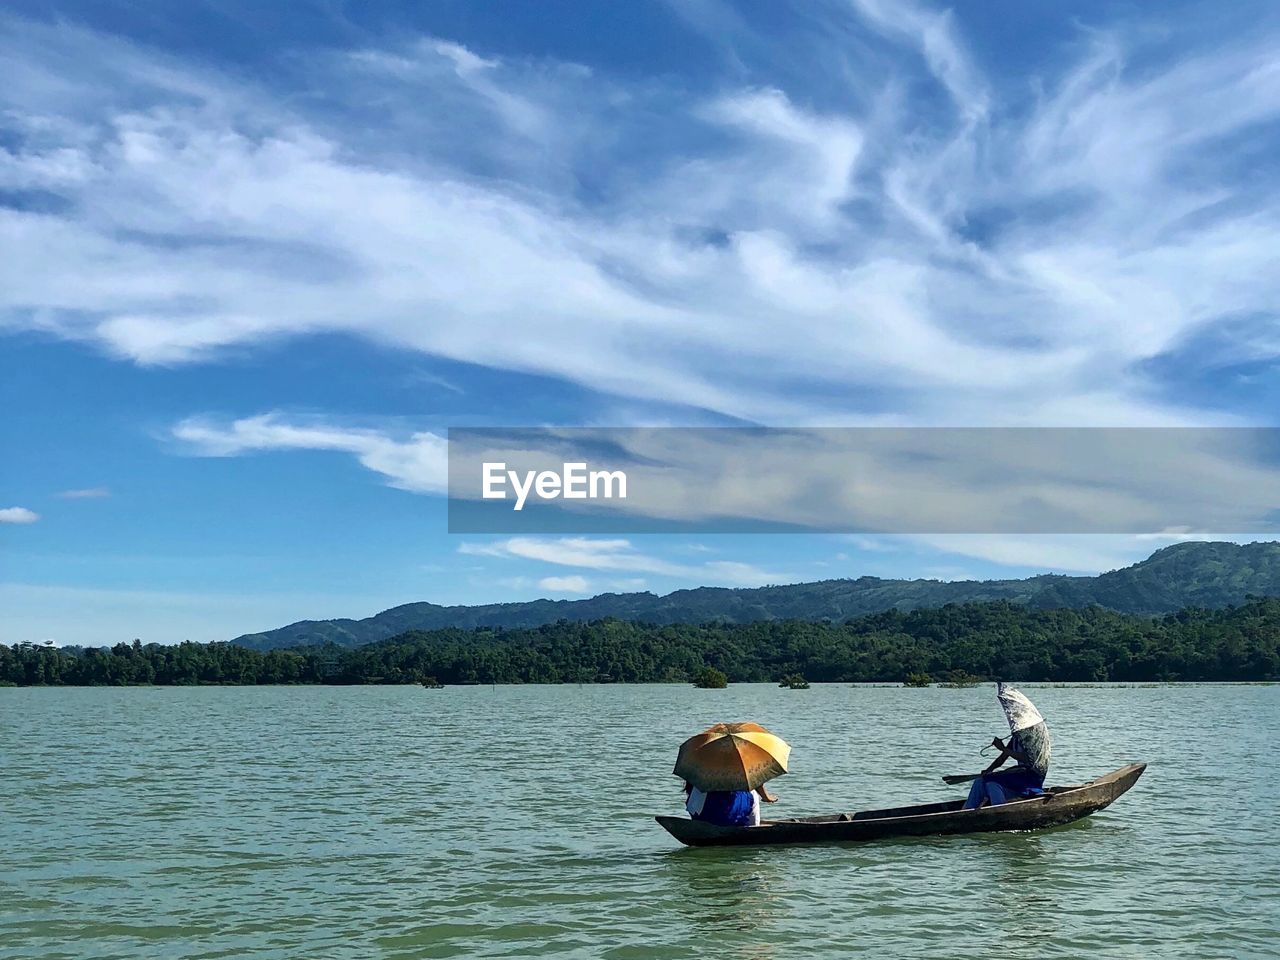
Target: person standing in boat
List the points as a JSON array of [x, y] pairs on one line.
[[726, 808], [1028, 745]]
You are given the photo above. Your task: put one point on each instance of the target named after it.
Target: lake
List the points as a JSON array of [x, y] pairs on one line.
[[398, 822]]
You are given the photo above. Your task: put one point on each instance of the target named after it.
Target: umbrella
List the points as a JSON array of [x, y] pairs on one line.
[[732, 756], [1030, 733]]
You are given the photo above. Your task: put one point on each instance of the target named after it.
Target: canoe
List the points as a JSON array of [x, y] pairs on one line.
[[1057, 806]]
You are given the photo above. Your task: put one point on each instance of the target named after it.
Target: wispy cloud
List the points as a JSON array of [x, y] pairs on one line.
[[977, 257], [1049, 553], [932, 33], [620, 555], [569, 584], [1082, 554], [18, 515], [85, 493], [901, 480], [417, 463]]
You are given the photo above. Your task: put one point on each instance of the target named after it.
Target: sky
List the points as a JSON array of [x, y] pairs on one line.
[[258, 258]]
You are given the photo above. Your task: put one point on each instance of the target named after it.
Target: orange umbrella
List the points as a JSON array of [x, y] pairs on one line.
[[732, 756]]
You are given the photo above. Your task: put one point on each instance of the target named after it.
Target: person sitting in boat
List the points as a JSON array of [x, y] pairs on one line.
[[726, 808], [1028, 745]]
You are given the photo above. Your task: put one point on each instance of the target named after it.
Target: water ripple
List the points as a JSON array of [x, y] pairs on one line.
[[516, 822]]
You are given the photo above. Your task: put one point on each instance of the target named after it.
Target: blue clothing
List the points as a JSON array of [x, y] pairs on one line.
[[1005, 785], [727, 808], [1029, 739]]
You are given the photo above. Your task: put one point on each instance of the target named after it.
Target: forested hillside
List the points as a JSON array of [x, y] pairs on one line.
[[1207, 575], [991, 640]]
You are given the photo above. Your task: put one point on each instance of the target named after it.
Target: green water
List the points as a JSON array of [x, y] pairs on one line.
[[512, 822]]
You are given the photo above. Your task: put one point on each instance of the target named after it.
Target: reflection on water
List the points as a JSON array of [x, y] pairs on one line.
[[1025, 901], [727, 889], [511, 822]]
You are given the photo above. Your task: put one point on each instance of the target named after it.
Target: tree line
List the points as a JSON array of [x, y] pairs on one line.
[[989, 640]]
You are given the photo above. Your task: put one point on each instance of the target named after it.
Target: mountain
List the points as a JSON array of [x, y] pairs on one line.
[[978, 640], [1209, 575]]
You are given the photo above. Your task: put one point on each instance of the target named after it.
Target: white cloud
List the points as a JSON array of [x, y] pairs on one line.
[[417, 463], [570, 584], [907, 480], [620, 554], [1090, 553], [627, 584], [18, 515], [611, 554], [932, 33], [85, 493], [511, 583], [1064, 553], [806, 163], [995, 262]]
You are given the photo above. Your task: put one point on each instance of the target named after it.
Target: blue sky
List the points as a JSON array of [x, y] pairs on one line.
[[257, 258]]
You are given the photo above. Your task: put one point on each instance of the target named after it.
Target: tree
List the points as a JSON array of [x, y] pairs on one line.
[[709, 678], [961, 643]]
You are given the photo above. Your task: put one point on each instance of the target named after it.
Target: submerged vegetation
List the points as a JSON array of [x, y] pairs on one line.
[[960, 679], [983, 640], [709, 678]]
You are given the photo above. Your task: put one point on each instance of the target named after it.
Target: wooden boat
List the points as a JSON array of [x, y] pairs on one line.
[[1058, 805]]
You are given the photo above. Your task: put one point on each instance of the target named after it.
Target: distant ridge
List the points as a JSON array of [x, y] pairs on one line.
[[1194, 574]]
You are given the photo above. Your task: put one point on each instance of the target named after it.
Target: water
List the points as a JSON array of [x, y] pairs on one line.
[[397, 822]]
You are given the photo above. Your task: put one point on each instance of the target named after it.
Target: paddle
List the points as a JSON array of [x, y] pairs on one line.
[[969, 777]]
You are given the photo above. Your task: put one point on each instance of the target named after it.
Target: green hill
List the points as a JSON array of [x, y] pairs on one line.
[[990, 640], [1208, 575]]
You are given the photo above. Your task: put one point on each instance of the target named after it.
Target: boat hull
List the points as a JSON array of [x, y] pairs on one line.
[[1057, 806]]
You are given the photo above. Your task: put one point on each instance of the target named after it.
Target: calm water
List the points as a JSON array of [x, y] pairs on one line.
[[513, 822]]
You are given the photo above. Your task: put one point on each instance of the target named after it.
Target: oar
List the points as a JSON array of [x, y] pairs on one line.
[[960, 777]]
